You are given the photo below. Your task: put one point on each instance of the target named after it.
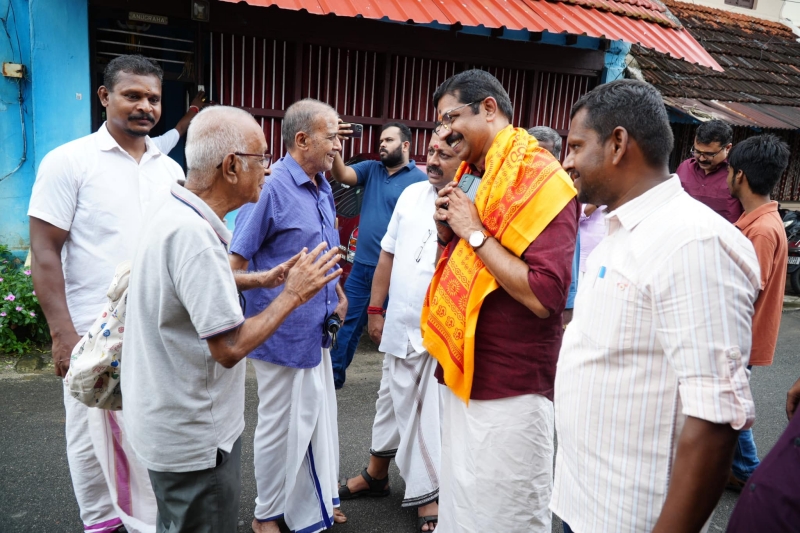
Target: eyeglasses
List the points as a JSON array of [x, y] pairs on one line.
[[266, 159], [418, 255], [705, 155], [447, 119]]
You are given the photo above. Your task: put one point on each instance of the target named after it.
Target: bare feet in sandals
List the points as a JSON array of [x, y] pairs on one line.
[[338, 516], [265, 527], [429, 511]]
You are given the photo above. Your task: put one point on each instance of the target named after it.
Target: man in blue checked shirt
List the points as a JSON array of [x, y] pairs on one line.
[[383, 181], [296, 447]]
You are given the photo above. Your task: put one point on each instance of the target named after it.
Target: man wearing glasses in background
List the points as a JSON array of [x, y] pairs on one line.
[[705, 175], [296, 446]]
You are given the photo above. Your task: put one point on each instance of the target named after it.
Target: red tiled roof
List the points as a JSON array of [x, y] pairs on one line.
[[646, 22], [761, 59]]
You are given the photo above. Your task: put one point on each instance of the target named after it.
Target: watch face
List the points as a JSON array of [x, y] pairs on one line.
[[476, 239]]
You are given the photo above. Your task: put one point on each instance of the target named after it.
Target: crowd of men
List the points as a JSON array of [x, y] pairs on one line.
[[597, 298]]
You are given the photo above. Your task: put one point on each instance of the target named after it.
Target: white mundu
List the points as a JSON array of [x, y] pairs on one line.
[[407, 420], [96, 191]]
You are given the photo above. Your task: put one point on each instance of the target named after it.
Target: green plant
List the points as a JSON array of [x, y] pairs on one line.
[[22, 322]]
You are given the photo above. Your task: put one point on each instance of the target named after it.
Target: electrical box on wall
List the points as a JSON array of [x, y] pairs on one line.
[[13, 70]]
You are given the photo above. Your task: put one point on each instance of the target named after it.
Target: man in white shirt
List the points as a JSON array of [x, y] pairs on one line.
[[651, 385], [407, 424], [86, 213], [186, 335]]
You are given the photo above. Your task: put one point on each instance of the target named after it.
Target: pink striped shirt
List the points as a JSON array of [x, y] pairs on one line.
[[661, 331]]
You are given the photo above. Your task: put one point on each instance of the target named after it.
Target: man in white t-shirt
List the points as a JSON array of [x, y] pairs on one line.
[[407, 424], [186, 334], [87, 209]]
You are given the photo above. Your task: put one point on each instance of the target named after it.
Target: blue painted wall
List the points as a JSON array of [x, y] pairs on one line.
[[51, 38], [615, 61]]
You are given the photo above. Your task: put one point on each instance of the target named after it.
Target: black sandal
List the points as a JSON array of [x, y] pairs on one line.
[[378, 488], [422, 520]]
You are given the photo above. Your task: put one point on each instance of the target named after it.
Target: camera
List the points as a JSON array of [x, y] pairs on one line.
[[333, 324]]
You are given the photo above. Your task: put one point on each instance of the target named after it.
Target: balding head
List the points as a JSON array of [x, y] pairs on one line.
[[310, 134], [214, 133], [226, 143]]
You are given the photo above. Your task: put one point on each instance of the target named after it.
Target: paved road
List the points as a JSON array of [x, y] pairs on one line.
[[36, 494]]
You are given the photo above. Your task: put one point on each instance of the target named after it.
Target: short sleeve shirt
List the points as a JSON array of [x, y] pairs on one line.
[[290, 214], [381, 192], [180, 404], [167, 141], [96, 191], [764, 227], [411, 238]]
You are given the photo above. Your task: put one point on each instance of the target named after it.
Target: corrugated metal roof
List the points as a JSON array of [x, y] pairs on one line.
[[636, 21], [790, 115], [737, 113]]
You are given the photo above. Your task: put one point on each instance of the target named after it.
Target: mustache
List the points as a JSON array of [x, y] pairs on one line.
[[433, 169], [453, 138], [143, 116]]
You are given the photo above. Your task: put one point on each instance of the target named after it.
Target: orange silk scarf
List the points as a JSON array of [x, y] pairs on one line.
[[522, 191]]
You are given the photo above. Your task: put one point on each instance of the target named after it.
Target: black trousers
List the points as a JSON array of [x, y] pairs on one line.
[[204, 501]]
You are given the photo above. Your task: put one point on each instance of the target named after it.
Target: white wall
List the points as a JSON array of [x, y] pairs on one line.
[[765, 9]]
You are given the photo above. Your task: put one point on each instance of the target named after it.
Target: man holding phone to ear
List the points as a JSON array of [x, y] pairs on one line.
[[383, 181]]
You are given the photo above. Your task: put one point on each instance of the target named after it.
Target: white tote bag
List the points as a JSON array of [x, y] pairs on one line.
[[96, 362]]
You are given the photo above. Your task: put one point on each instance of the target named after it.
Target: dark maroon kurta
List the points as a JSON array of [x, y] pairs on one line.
[[770, 501], [515, 351]]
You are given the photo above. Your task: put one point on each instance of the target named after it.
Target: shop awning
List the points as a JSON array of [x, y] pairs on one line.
[[737, 113], [643, 22]]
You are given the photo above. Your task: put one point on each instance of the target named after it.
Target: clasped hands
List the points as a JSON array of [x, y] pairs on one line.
[[460, 213]]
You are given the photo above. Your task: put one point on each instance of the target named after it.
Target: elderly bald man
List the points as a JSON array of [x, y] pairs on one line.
[[296, 445], [186, 332]]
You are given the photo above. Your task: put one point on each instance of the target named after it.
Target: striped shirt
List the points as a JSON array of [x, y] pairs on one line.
[[661, 331]]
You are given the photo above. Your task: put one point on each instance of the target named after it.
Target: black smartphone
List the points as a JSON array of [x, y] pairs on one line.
[[469, 184], [358, 130]]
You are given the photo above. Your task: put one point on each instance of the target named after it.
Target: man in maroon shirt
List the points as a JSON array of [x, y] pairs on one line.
[[497, 450], [705, 175], [770, 500]]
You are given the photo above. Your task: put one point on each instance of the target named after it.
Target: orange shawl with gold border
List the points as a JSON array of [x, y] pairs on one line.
[[521, 192]]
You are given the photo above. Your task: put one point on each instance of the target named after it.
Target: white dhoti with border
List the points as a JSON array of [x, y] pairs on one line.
[[113, 485], [497, 465], [407, 423], [88, 483], [296, 445]]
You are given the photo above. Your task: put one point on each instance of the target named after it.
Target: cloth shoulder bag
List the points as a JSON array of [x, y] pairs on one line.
[[96, 362]]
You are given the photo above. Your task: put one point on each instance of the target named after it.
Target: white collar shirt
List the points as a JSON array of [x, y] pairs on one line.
[[411, 237], [96, 191], [661, 331]]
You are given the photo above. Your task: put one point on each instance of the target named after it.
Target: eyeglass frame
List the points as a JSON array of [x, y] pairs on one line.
[[441, 122], [266, 159], [418, 254], [705, 155]]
